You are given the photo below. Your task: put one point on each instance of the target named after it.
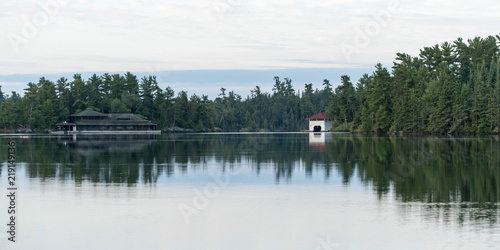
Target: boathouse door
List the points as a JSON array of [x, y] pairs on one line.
[[317, 128]]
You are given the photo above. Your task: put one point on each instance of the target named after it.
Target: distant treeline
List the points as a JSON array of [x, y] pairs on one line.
[[449, 88], [46, 103]]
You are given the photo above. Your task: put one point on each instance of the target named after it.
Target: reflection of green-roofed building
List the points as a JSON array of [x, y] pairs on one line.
[[91, 121]]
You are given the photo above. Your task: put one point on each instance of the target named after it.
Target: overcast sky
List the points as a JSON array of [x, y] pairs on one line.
[[41, 37]]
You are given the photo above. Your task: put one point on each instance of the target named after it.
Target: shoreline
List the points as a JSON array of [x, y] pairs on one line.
[[401, 133], [190, 131]]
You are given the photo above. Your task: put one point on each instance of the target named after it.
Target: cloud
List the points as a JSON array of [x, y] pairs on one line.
[[91, 35]]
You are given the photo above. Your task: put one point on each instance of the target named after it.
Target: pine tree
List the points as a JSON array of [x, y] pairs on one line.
[[441, 116], [379, 100], [494, 99]]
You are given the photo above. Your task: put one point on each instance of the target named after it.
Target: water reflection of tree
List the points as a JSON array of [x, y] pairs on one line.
[[89, 159], [420, 169], [132, 160], [459, 178], [433, 170]]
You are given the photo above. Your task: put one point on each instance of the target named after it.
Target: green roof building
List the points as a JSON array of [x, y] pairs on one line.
[[91, 121]]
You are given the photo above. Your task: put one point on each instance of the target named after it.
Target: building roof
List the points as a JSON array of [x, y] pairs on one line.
[[319, 116], [128, 119], [89, 112], [110, 119]]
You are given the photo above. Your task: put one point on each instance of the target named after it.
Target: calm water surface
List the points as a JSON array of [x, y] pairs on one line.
[[254, 191]]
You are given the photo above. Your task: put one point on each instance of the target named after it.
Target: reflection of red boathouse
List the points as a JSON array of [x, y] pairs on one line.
[[317, 141]]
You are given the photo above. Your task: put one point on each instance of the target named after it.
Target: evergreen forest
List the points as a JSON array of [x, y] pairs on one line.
[[47, 103], [448, 88]]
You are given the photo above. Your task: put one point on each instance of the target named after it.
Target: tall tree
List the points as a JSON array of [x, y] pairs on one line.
[[343, 103]]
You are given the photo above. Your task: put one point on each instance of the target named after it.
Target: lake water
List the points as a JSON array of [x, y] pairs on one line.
[[253, 191]]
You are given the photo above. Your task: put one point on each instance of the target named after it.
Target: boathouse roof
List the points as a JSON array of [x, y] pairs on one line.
[[319, 116]]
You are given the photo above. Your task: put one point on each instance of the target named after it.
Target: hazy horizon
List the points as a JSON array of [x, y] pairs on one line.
[[207, 82]]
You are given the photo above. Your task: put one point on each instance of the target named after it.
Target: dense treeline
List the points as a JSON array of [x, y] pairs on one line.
[[448, 88], [46, 103]]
